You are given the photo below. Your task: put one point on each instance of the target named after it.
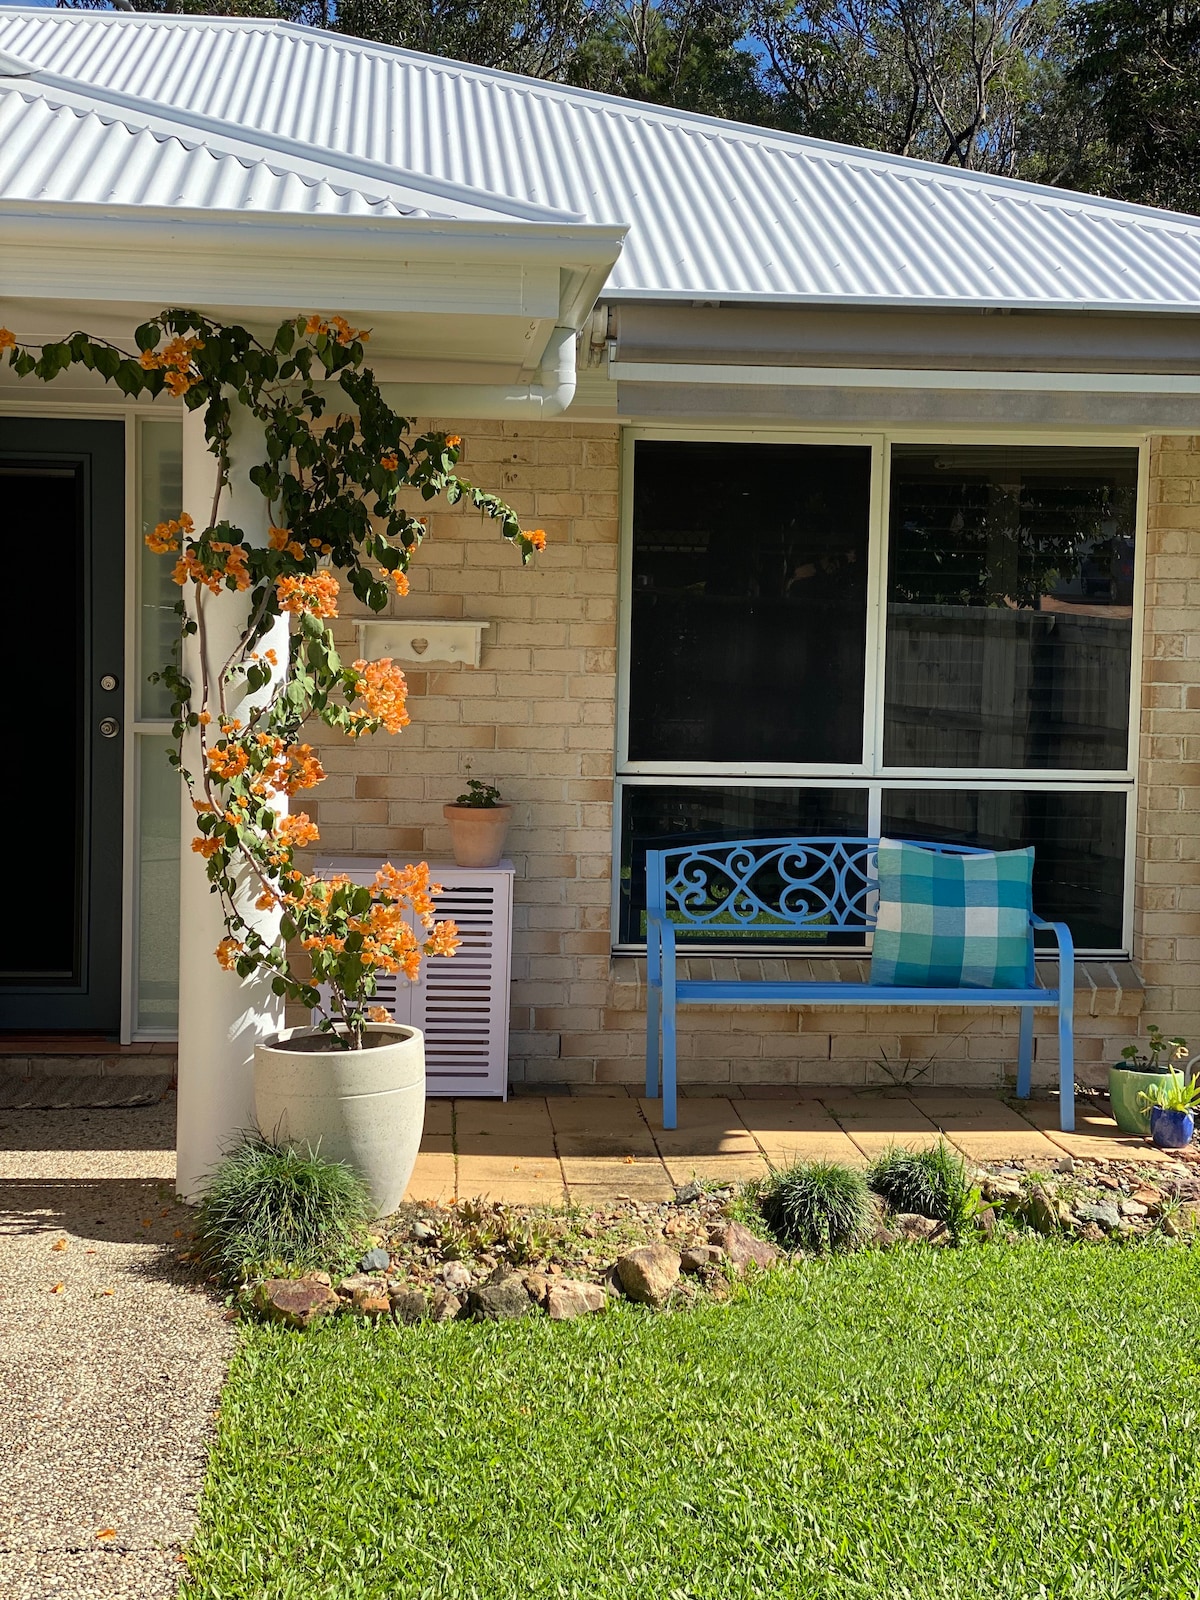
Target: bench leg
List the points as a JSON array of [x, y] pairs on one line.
[[653, 1037], [1066, 1063], [668, 1063], [1025, 1054]]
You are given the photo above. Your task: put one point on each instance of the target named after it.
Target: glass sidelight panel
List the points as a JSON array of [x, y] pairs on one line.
[[46, 866], [157, 888], [748, 626], [1010, 608], [656, 817], [161, 498], [1078, 836]]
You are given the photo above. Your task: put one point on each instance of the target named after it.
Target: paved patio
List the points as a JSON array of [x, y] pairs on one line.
[[591, 1147]]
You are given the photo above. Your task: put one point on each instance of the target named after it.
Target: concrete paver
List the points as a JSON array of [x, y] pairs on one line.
[[612, 1128], [1096, 1136], [796, 1130], [877, 1121], [985, 1129]]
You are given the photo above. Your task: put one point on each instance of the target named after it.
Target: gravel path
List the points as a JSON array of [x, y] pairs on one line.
[[111, 1361]]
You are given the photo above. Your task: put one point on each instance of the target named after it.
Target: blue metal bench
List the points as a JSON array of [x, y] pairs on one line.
[[818, 887]]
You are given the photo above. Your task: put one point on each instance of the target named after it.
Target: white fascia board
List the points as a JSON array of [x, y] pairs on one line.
[[902, 378], [364, 264]]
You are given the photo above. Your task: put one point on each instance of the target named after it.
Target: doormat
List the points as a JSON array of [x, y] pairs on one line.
[[52, 1091]]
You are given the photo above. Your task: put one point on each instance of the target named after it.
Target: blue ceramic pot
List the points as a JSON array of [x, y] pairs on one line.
[[1171, 1130]]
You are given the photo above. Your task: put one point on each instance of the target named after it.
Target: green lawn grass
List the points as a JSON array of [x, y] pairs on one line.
[[987, 1424]]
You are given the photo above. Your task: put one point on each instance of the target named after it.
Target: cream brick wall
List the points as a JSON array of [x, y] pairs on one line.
[[537, 718]]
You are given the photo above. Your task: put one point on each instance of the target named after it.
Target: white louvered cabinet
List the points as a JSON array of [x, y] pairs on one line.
[[460, 1004]]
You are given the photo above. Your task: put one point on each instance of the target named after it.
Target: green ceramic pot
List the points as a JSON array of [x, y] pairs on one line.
[[1123, 1090]]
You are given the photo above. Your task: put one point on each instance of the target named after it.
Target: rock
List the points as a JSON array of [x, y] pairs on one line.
[[500, 1299], [700, 1256], [881, 1235], [445, 1306], [985, 1221], [650, 1273], [361, 1283], [409, 1304], [321, 1277], [688, 1194], [455, 1275], [1099, 1213], [537, 1286], [297, 1302], [611, 1283], [1107, 1181], [743, 1247], [570, 1298], [1003, 1190], [910, 1228], [372, 1303], [1041, 1210], [1134, 1208], [1092, 1233], [1147, 1197], [1065, 1164], [377, 1260]]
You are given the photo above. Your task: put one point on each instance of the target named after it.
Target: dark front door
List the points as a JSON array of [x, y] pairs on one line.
[[62, 522]]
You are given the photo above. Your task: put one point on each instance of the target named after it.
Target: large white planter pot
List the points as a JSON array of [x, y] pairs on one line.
[[365, 1107]]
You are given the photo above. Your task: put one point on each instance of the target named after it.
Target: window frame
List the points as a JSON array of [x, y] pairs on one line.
[[871, 773]]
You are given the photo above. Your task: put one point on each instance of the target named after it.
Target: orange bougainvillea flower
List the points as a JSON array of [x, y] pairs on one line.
[[278, 538], [537, 539], [303, 769], [227, 953], [453, 440], [389, 461], [315, 594], [149, 361], [206, 845], [382, 688], [166, 534], [379, 1014], [399, 581], [8, 340], [297, 830]]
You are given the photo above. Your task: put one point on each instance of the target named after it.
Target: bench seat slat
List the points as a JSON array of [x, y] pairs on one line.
[[786, 991]]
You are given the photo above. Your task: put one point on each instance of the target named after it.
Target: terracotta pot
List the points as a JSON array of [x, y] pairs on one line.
[[364, 1107], [477, 833]]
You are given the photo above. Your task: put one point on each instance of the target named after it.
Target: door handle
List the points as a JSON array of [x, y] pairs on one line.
[[109, 728]]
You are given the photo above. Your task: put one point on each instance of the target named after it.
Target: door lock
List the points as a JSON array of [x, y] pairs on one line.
[[110, 728], [108, 682]]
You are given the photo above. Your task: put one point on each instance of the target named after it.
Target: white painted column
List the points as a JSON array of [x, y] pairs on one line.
[[221, 1016]]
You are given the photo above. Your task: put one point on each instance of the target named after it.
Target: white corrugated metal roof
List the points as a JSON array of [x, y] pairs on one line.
[[716, 210]]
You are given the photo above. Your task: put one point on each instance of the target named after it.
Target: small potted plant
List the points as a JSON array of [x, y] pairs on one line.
[[478, 825], [1142, 1070], [1170, 1109]]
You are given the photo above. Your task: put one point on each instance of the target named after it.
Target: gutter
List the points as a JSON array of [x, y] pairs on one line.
[[547, 395], [734, 377]]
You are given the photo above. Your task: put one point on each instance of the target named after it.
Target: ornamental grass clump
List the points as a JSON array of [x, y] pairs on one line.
[[273, 1207], [821, 1206], [930, 1183]]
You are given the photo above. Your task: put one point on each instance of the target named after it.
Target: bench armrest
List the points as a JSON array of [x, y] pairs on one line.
[[660, 946], [1066, 951]]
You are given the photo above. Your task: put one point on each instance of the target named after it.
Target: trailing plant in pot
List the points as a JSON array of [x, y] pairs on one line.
[[1171, 1110], [478, 825], [337, 467], [1142, 1070]]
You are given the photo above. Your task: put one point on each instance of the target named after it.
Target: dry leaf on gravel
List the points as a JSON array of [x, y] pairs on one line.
[[59, 1244], [106, 1533], [57, 1288]]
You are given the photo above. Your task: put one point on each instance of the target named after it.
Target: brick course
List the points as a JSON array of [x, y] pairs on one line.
[[537, 718]]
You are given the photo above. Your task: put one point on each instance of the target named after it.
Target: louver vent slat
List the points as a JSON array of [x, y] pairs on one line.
[[460, 1004]]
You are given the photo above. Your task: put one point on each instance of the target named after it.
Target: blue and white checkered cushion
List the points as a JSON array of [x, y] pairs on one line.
[[951, 921]]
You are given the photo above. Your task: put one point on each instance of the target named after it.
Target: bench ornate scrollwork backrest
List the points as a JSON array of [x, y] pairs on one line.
[[824, 885]]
